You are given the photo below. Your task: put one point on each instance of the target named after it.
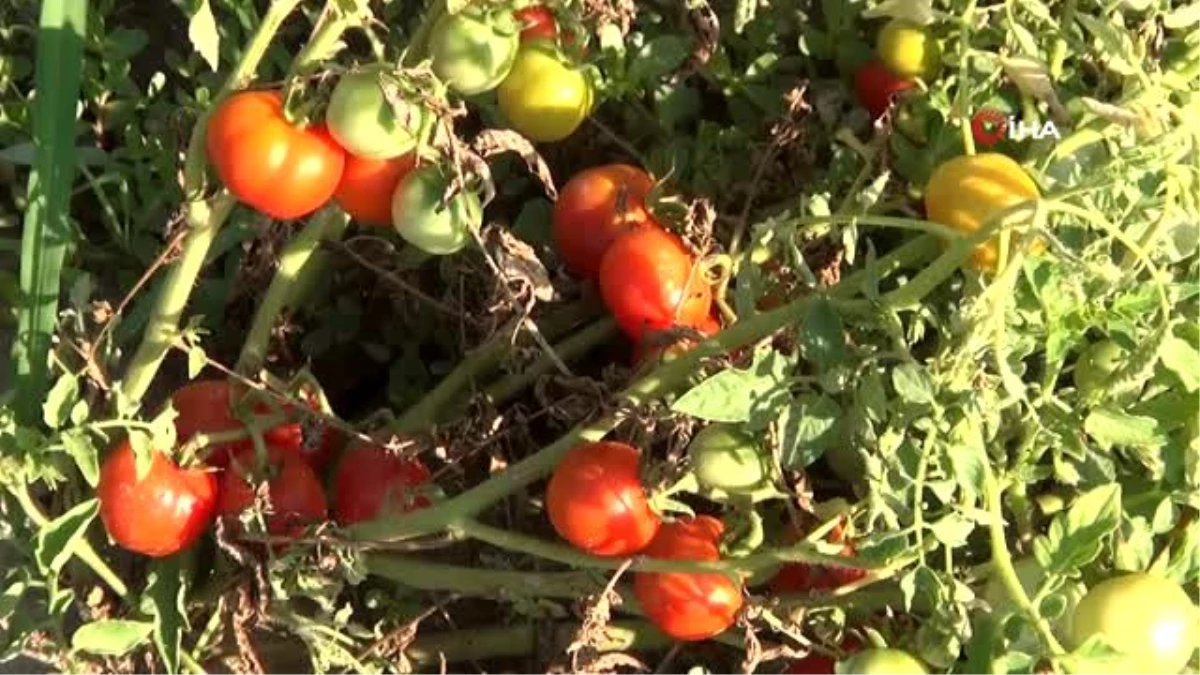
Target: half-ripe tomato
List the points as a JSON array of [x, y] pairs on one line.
[[419, 217], [472, 51], [596, 500], [883, 661], [366, 124], [537, 23], [1146, 617], [367, 185], [650, 281], [876, 86], [372, 481], [164, 512], [267, 162], [594, 208], [909, 50], [965, 192], [685, 605], [294, 496], [725, 458], [545, 97]]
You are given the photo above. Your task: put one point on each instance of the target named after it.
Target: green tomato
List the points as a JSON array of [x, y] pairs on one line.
[[362, 121], [725, 458], [882, 661], [419, 218], [908, 50], [473, 53], [1147, 618], [1096, 364]]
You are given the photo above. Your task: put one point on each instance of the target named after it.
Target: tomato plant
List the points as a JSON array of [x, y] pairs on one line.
[[876, 87], [909, 50], [883, 661], [544, 96], [419, 215], [473, 51], [372, 481], [594, 208], [649, 281], [688, 606], [267, 162], [159, 513], [294, 496], [364, 122], [596, 501], [367, 185]]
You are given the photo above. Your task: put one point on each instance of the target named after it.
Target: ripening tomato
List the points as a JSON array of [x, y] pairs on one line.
[[267, 162], [545, 97], [966, 191], [594, 208], [653, 345], [1146, 617], [473, 51], [420, 219], [366, 123], [1096, 364], [294, 494], [724, 457], [161, 514], [372, 481], [650, 281], [367, 185], [883, 661], [537, 23], [688, 606], [596, 500], [876, 87], [909, 50]]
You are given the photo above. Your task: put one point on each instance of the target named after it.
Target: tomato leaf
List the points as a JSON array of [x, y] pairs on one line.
[[807, 428], [732, 395], [953, 530], [55, 540], [656, 58], [1076, 537], [166, 590], [1183, 359], [913, 384], [84, 452], [59, 401], [967, 457], [202, 32], [821, 334], [110, 637], [1109, 428]]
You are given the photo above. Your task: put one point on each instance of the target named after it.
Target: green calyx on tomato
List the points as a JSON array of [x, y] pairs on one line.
[[725, 458], [1096, 365], [1150, 620], [421, 219], [882, 661], [909, 50], [544, 96], [473, 52], [364, 122]]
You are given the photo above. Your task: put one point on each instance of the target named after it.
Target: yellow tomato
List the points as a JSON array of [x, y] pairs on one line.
[[545, 97], [965, 192], [908, 50]]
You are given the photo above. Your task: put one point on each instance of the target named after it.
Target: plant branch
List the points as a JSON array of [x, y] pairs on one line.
[[578, 344], [508, 641]]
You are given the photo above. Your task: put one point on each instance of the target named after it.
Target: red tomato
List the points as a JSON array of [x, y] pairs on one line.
[[801, 577], [594, 208], [270, 164], [371, 481], [164, 512], [821, 664], [875, 86], [649, 281], [538, 23], [688, 606], [596, 500], [294, 495], [367, 185]]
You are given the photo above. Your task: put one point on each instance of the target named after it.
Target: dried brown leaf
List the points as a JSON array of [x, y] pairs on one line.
[[707, 28], [519, 262], [491, 142]]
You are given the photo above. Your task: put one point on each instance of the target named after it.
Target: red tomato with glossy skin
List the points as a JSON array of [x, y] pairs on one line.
[[293, 491], [594, 208], [688, 606], [161, 514], [371, 481], [649, 281], [538, 21], [365, 191], [876, 86], [596, 500], [267, 162]]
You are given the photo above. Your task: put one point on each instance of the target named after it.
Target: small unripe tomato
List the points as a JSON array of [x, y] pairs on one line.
[[420, 219], [883, 661], [1096, 364], [908, 50], [366, 124], [723, 457], [1149, 619], [544, 97], [472, 52]]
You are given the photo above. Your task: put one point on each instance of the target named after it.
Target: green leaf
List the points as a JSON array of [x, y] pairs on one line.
[[59, 401], [731, 395], [85, 454], [141, 442], [1181, 358], [1112, 428], [110, 637], [807, 428], [10, 598], [912, 383], [52, 547], [656, 58], [1076, 537], [967, 456], [821, 334], [196, 361], [202, 31], [166, 589], [953, 530]]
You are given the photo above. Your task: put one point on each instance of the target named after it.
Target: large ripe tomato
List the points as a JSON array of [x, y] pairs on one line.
[[367, 185], [594, 208], [909, 50], [544, 97], [724, 457], [372, 481], [649, 281], [267, 162], [537, 23], [596, 500], [964, 192], [164, 512], [294, 494], [420, 219], [473, 51], [1149, 619], [366, 124], [688, 606], [1096, 364], [883, 661], [876, 87]]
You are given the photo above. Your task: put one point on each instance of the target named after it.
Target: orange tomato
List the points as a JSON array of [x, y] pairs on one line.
[[365, 191]]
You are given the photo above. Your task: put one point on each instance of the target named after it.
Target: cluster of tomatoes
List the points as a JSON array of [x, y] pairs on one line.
[[169, 507], [904, 51], [364, 154]]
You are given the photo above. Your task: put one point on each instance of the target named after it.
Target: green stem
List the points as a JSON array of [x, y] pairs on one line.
[[1058, 52], [295, 260], [578, 344], [426, 412], [961, 94], [437, 576], [509, 641]]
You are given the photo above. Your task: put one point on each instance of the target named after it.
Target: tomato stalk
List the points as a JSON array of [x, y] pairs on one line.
[[438, 576], [578, 344], [508, 641]]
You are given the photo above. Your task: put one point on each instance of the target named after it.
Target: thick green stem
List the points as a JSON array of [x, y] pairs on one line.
[[519, 640], [431, 576], [578, 344], [296, 259]]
